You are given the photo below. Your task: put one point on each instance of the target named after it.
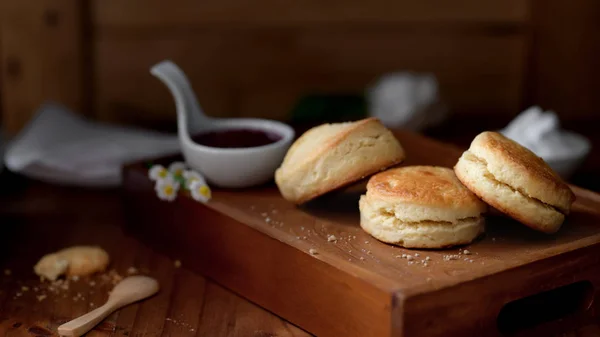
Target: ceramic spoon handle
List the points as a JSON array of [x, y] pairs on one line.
[[181, 89]]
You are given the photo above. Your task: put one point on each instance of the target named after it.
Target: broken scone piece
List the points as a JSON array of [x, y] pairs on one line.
[[331, 156], [73, 261], [51, 266], [421, 207]]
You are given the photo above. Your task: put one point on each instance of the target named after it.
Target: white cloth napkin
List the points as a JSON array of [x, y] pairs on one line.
[[60, 147], [406, 100], [540, 132]]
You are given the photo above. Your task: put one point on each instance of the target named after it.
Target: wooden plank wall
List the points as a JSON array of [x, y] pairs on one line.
[[565, 63], [41, 57], [255, 58], [1, 71], [248, 58]]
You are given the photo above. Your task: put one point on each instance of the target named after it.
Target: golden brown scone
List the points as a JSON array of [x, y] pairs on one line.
[[515, 181], [78, 260], [330, 156], [421, 207]]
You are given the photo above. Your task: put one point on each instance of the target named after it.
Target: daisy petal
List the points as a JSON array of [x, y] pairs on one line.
[[177, 168], [158, 172], [200, 191], [166, 189], [190, 176]]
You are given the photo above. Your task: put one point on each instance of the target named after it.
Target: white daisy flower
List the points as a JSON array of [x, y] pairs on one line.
[[166, 189], [158, 172], [176, 168], [190, 176], [200, 191]]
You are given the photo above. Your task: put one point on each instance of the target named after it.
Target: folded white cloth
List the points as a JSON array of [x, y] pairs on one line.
[[406, 100], [58, 146], [540, 132]]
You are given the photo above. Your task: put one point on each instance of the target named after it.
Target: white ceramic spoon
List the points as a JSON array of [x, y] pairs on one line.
[[131, 289], [224, 167]]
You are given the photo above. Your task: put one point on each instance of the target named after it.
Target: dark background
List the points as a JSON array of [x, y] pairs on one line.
[[263, 58]]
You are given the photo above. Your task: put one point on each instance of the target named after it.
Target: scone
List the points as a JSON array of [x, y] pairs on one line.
[[78, 260], [421, 207], [515, 181], [330, 156]]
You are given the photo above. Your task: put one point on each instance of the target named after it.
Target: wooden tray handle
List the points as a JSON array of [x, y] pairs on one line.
[[552, 305]]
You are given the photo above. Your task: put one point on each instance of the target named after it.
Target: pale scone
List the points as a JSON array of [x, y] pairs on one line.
[[330, 156], [73, 261], [515, 181], [421, 207]]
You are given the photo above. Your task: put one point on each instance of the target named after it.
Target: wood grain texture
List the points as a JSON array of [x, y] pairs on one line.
[[357, 280], [279, 67], [255, 59], [565, 66], [258, 58], [41, 57], [1, 65], [156, 13], [39, 219]]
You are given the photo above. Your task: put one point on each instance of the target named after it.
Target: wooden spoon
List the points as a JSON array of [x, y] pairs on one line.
[[131, 289]]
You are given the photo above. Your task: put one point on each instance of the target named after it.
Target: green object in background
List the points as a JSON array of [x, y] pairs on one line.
[[316, 109]]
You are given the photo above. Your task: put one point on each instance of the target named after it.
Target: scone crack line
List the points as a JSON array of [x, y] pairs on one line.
[[387, 213], [428, 208], [493, 178]]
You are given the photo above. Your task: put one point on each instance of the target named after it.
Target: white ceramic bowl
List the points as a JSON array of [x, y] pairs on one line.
[[223, 167], [566, 165], [238, 167]]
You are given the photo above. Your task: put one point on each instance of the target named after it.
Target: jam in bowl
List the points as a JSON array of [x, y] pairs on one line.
[[236, 138], [236, 153]]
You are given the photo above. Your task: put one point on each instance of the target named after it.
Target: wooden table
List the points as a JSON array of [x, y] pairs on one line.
[[37, 218]]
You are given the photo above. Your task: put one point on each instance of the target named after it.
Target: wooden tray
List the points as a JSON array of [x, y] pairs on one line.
[[515, 282]]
